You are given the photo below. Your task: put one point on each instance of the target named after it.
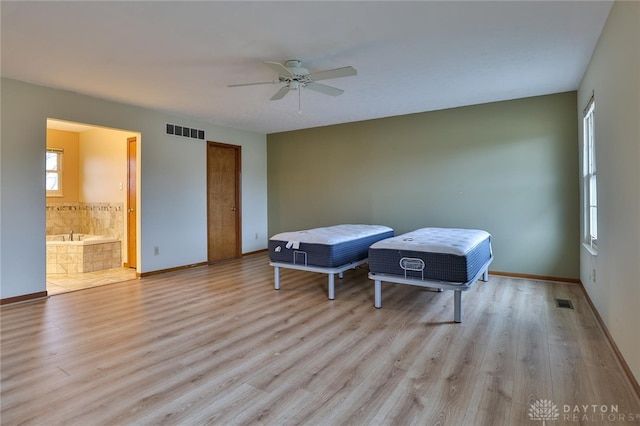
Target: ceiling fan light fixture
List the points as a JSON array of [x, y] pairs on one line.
[[295, 77]]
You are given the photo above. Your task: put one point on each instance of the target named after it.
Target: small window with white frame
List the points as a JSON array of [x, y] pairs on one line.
[[590, 205], [53, 172]]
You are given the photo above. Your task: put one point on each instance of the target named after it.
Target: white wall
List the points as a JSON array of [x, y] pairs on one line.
[[172, 169], [613, 76]]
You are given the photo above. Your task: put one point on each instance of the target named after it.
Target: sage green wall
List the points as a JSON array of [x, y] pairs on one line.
[[507, 167]]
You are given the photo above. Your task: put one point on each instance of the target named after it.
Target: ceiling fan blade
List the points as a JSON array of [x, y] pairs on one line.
[[280, 93], [323, 88], [334, 73], [253, 84], [280, 69]]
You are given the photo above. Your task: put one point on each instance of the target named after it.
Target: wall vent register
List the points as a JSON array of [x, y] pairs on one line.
[[187, 132]]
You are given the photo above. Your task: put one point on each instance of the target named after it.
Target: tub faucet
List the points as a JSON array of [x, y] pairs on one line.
[[71, 235]]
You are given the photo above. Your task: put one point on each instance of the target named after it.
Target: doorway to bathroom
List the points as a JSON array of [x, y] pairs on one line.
[[88, 205]]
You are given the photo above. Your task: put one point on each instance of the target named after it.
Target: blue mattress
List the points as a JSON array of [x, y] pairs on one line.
[[328, 247], [439, 254]]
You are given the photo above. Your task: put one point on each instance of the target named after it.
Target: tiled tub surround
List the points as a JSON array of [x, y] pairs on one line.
[[91, 253], [85, 218]]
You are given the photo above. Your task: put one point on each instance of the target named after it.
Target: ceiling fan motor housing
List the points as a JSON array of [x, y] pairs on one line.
[[295, 66]]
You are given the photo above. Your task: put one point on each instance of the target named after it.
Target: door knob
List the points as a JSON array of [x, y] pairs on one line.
[[233, 209]]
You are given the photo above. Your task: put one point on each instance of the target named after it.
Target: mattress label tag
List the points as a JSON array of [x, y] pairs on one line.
[[293, 244], [411, 264]]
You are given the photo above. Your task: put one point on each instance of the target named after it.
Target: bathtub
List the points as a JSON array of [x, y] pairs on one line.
[[78, 239], [86, 253]]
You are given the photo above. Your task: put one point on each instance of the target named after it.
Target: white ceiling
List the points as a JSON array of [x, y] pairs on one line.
[[68, 126], [179, 56]]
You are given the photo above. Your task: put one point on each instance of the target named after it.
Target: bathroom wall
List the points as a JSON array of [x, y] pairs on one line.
[[63, 217], [86, 218], [103, 177], [103, 165], [103, 219]]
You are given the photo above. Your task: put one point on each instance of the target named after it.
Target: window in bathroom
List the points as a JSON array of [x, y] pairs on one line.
[[53, 172]]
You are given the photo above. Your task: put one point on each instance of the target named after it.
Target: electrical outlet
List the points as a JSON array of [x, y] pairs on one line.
[[593, 274], [256, 235], [156, 251]]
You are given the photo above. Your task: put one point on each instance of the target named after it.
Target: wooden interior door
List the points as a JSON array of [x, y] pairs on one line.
[[223, 201], [132, 214]]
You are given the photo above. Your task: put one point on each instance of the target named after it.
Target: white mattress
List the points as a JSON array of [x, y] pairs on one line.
[[331, 234], [435, 240]]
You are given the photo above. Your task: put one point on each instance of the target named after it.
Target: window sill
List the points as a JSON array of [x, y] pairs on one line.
[[593, 251]]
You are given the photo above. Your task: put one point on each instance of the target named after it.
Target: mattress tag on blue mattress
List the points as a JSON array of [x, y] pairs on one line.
[[293, 244]]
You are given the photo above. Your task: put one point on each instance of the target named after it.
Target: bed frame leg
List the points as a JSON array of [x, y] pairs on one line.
[[457, 306], [332, 287], [276, 276], [378, 294], [485, 276]]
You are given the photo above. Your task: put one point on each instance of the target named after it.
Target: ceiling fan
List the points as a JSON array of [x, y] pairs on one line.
[[294, 77]]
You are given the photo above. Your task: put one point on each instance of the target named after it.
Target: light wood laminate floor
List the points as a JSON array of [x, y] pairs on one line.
[[218, 345]]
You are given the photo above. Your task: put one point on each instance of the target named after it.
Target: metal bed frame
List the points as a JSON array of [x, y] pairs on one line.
[[323, 270], [415, 264]]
